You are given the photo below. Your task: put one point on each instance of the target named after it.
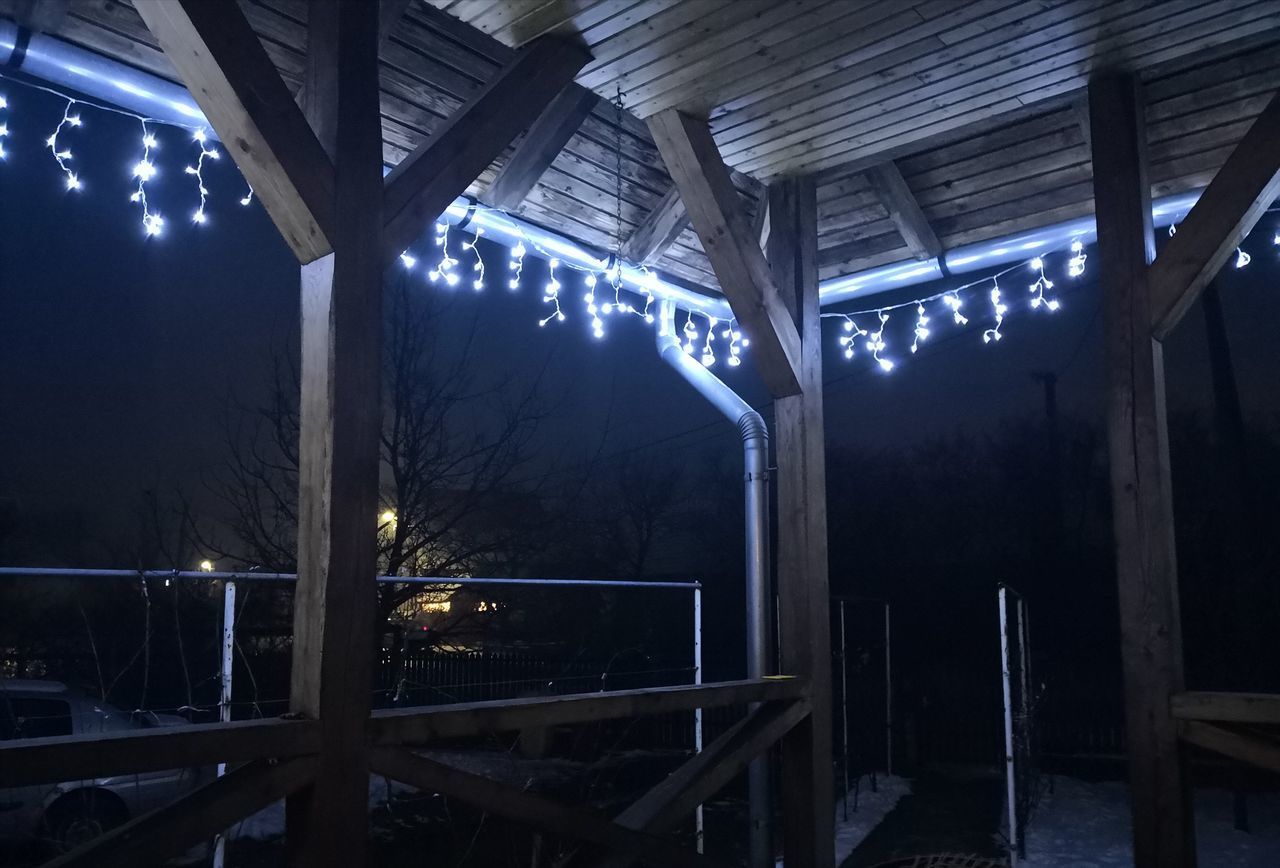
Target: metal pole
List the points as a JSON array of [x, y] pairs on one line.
[[888, 695], [1010, 785], [1024, 701], [697, 712], [844, 708], [224, 702]]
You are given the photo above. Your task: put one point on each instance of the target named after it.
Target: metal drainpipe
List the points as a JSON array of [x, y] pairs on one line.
[[755, 456]]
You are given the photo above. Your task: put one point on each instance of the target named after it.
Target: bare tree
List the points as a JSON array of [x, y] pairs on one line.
[[455, 449]]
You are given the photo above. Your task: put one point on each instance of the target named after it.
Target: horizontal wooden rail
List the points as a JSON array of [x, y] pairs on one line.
[[1227, 707], [420, 725], [1247, 747], [79, 757]]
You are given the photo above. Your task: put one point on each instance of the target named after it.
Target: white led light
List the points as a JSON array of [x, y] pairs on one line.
[[1038, 288], [1242, 258]]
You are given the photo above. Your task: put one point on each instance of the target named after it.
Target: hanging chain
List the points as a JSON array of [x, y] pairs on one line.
[[617, 251]]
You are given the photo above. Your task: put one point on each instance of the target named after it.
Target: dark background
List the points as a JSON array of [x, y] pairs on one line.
[[119, 356]]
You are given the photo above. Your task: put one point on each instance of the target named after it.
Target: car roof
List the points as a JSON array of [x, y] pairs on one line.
[[32, 685]]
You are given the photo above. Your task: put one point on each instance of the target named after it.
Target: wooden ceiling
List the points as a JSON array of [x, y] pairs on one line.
[[808, 85], [972, 105]]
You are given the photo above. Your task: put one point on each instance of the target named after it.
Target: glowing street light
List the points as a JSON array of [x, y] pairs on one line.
[[206, 566]]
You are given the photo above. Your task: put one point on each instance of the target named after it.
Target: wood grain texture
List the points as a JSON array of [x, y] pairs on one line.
[[423, 725], [529, 809], [904, 210], [1226, 707], [76, 757], [1255, 749], [339, 437], [237, 87], [716, 213], [1141, 489], [538, 149], [1242, 190], [172, 829], [803, 608], [659, 230], [423, 185]]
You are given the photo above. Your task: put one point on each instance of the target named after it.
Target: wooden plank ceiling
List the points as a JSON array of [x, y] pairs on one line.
[[974, 102]]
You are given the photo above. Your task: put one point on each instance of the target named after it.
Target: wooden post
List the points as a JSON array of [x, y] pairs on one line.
[[338, 451], [806, 783], [1141, 493]]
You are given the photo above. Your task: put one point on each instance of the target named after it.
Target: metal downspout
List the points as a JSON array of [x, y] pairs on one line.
[[755, 456]]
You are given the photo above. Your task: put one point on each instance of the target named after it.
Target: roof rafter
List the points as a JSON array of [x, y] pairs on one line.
[[540, 147], [892, 190]]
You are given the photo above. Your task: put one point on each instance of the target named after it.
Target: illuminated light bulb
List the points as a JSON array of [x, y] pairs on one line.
[[74, 120], [1038, 288], [4, 103], [922, 327], [199, 217], [477, 267], [144, 171], [876, 343], [407, 260], [199, 135], [206, 566], [3, 152], [73, 183], [148, 141], [1075, 265], [953, 301], [4, 130], [734, 361], [1242, 258], [451, 279], [999, 308], [247, 198]]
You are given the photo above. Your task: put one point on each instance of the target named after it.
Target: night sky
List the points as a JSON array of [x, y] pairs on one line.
[[119, 353]]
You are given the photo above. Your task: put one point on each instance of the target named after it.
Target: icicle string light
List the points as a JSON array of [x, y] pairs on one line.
[[1075, 265], [4, 127], [998, 310], [876, 343], [1242, 258], [144, 171], [922, 328], [477, 267], [444, 269], [690, 333], [597, 324], [733, 336], [708, 354], [64, 155], [1037, 289], [201, 138], [516, 265], [551, 293]]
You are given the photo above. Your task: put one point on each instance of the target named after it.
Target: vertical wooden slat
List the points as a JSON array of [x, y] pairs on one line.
[[806, 783], [1141, 493], [338, 451]]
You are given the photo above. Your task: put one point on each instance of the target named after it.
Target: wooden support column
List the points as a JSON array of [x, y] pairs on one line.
[[1141, 493], [333, 627], [806, 785], [894, 194]]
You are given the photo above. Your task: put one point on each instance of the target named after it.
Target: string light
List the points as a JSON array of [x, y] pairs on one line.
[[708, 354], [1000, 309], [478, 266], [516, 264], [408, 260], [206, 153], [64, 155], [953, 302], [248, 197], [144, 171], [1075, 265], [597, 324], [731, 334], [690, 333], [445, 268], [4, 128], [852, 332], [922, 327], [551, 293], [1038, 288], [876, 344], [1242, 258]]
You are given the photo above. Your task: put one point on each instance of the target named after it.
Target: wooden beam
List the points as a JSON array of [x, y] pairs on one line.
[[806, 788], [760, 222], [539, 147], [1245, 187], [1227, 707], [658, 231], [664, 807], [421, 725], [715, 210], [339, 436], [172, 829], [389, 14], [439, 170], [42, 16], [229, 74], [1141, 492], [894, 194], [1251, 748], [527, 808], [78, 757]]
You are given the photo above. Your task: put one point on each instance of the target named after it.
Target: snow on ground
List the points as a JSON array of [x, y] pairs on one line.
[[1087, 825], [872, 808]]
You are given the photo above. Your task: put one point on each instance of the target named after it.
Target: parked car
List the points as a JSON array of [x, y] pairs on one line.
[[70, 813]]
